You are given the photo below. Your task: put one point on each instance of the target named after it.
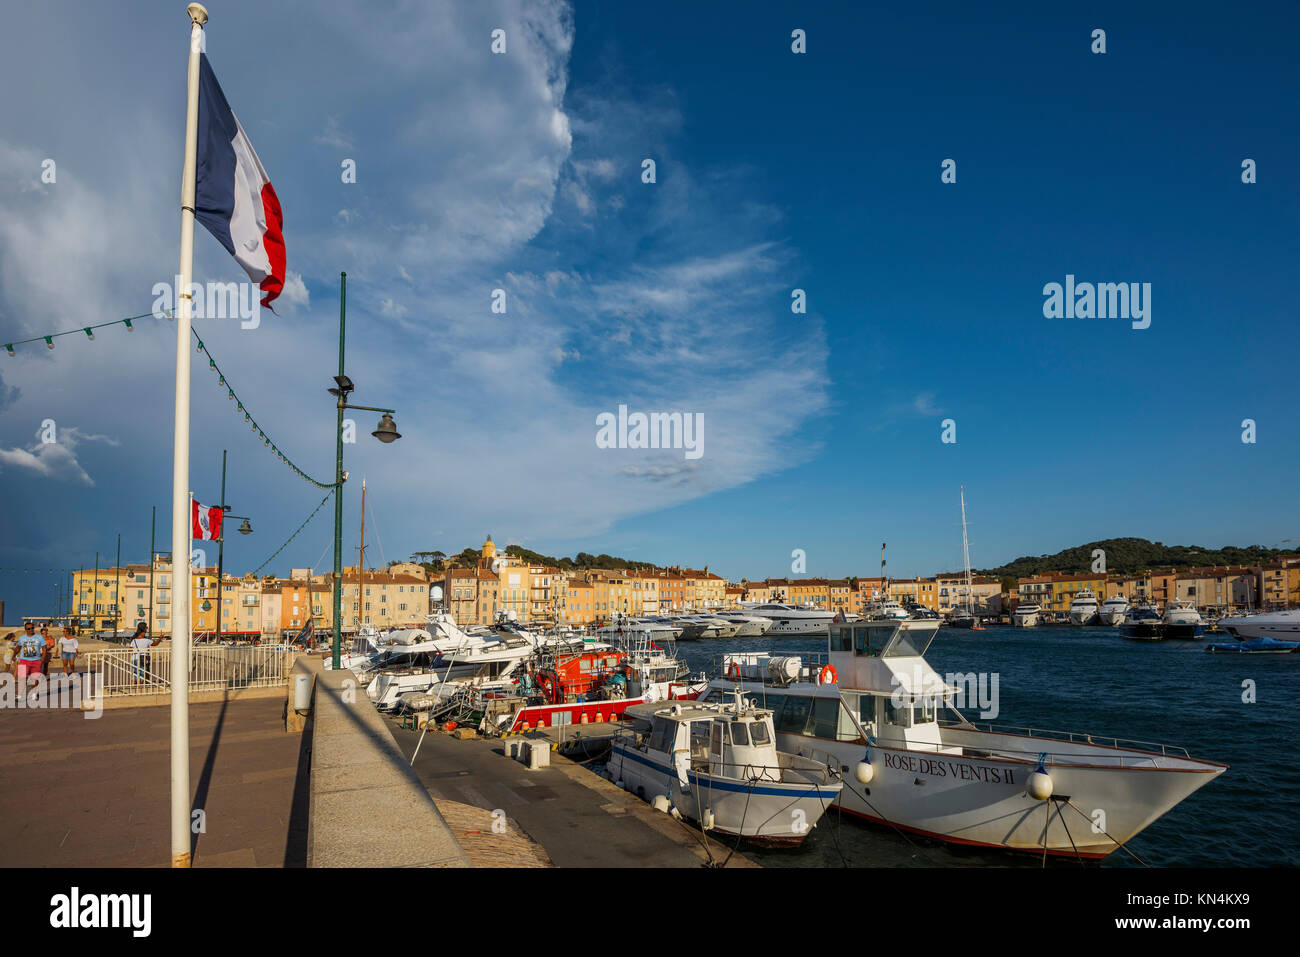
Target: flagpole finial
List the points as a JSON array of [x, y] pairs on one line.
[[198, 13]]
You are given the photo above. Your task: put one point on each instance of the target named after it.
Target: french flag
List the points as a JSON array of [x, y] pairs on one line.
[[234, 198]]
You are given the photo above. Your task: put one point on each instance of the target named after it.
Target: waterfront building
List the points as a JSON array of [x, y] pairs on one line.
[[809, 592], [1066, 587]]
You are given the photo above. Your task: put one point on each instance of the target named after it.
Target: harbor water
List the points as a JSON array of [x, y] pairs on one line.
[[1089, 679]]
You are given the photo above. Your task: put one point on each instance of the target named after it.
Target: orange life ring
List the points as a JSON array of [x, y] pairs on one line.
[[734, 671], [828, 676]]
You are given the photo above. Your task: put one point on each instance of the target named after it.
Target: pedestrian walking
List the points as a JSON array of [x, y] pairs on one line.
[[30, 650], [48, 651], [68, 647], [11, 650]]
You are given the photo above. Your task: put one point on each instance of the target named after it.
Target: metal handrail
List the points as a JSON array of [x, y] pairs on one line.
[[1073, 737]]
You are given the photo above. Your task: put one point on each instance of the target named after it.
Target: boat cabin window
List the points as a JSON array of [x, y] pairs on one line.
[[898, 714], [814, 717], [759, 729], [909, 644], [663, 734], [841, 639], [715, 738], [700, 731], [740, 734]]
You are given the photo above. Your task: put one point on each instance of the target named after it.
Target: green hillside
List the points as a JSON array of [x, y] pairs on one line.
[[1126, 556]]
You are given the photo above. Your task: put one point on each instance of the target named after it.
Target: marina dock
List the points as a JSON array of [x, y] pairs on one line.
[[577, 817]]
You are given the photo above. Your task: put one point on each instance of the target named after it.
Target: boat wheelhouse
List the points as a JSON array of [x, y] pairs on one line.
[[912, 760]]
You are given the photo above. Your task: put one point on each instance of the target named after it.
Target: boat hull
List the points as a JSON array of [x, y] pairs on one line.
[[761, 812], [982, 802]]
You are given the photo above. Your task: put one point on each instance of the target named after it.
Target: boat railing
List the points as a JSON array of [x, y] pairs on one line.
[[811, 662], [1070, 737]]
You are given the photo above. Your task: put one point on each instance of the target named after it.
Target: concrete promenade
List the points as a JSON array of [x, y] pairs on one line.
[[77, 792]]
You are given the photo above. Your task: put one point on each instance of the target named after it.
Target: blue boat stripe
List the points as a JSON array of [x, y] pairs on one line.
[[828, 792]]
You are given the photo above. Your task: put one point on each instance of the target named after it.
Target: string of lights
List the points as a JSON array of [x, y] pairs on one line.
[[295, 534], [248, 417], [89, 333]]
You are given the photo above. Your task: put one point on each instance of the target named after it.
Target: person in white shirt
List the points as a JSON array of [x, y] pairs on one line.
[[140, 646], [68, 646]]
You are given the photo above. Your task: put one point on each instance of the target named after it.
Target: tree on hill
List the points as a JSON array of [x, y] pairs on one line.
[[1130, 556]]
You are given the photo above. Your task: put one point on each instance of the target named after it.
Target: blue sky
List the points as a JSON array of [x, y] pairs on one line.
[[775, 171]]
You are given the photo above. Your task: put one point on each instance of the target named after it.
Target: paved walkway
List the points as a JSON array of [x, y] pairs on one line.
[[578, 818], [77, 792]]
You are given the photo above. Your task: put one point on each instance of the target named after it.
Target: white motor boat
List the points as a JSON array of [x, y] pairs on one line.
[[416, 659], [789, 620], [1084, 608], [887, 610], [750, 626], [1113, 611], [698, 627], [1181, 620], [873, 704], [1284, 625], [1026, 615], [718, 764]]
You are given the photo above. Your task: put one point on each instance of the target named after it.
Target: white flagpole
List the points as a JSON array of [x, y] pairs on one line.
[[180, 603]]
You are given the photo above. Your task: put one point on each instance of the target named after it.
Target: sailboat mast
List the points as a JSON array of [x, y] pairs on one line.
[[965, 546], [361, 558]]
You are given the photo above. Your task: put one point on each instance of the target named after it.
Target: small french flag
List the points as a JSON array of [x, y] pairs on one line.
[[205, 522], [234, 198]]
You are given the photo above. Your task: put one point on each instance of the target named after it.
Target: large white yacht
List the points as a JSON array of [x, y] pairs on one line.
[[1181, 619], [1026, 615], [750, 626], [789, 620], [1271, 624], [1083, 610], [872, 707], [1113, 611]]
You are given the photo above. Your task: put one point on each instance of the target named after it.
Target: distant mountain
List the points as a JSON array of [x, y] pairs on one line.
[[1127, 556]]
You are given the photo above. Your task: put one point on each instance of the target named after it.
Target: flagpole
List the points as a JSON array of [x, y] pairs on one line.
[[180, 603]]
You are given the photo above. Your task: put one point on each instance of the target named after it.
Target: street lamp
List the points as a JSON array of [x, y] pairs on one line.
[[386, 432], [244, 529]]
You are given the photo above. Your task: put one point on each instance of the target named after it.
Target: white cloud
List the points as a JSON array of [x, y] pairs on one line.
[[55, 460], [681, 303]]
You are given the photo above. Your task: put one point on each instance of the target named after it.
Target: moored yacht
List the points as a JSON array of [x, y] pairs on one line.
[[1026, 615], [789, 620], [1083, 610], [961, 618], [749, 626], [1142, 623], [872, 706], [1181, 620], [886, 610], [1283, 625], [1113, 611]]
